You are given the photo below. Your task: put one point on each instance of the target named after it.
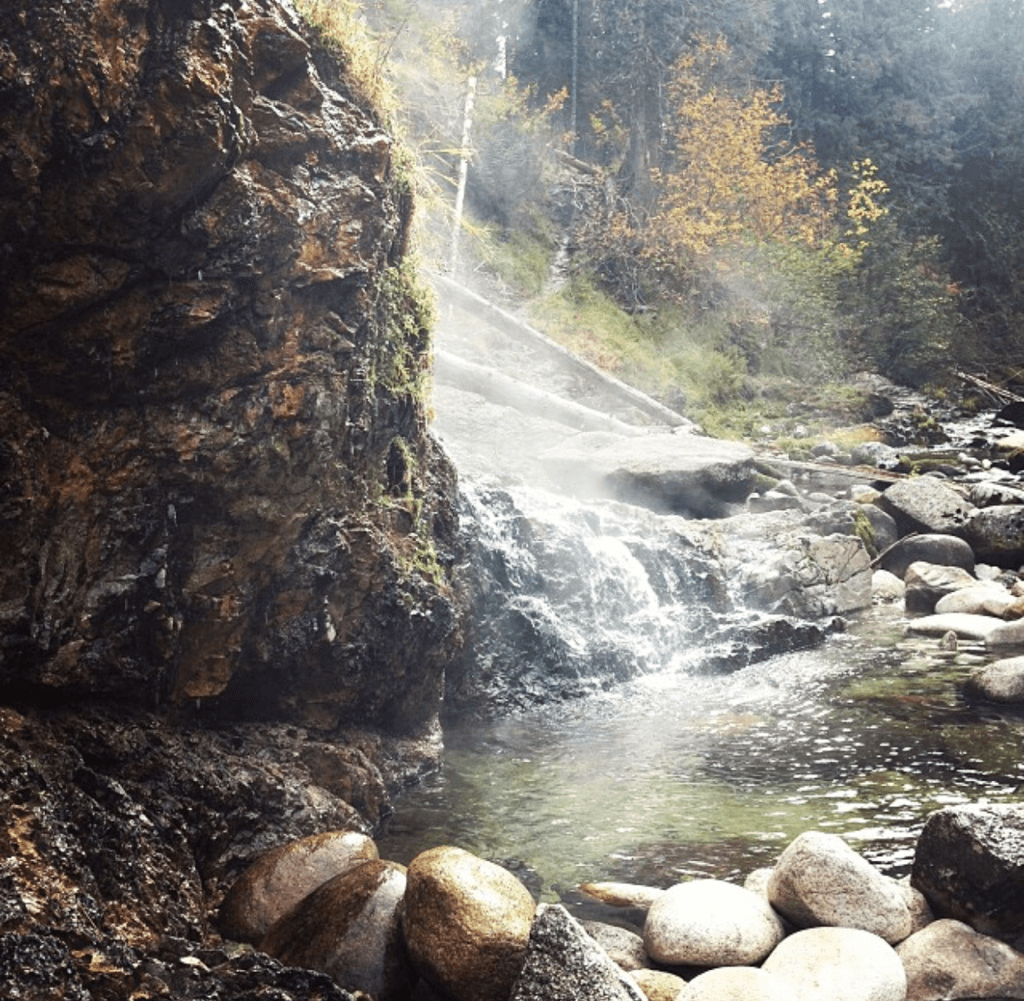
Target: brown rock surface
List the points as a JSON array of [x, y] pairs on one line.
[[218, 489], [349, 929], [467, 923], [278, 880]]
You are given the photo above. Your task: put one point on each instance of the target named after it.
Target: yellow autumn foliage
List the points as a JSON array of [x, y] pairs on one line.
[[736, 175]]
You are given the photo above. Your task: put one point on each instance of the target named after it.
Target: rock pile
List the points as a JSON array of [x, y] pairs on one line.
[[822, 925]]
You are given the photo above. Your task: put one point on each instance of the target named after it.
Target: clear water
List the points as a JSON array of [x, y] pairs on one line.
[[675, 776]]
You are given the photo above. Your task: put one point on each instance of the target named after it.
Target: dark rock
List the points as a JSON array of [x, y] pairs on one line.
[[563, 963], [997, 534], [923, 504], [1012, 414], [941, 550], [349, 928], [969, 863]]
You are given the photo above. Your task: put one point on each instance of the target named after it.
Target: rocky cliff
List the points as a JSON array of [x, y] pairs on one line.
[[227, 540], [217, 486]]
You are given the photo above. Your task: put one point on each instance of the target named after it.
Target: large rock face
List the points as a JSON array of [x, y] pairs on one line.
[[217, 486]]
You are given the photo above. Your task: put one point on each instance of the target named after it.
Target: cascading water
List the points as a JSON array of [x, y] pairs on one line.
[[592, 734]]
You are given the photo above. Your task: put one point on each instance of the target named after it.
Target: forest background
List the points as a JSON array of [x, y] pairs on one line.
[[726, 202]]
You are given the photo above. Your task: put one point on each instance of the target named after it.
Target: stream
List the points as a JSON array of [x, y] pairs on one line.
[[676, 776]]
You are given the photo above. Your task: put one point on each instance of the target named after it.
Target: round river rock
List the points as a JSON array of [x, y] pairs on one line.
[[467, 923]]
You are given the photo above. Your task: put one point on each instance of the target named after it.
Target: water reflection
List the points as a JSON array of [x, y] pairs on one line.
[[677, 776]]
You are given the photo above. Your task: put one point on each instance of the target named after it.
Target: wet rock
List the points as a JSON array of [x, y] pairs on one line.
[[738, 983], [624, 947], [968, 627], [708, 922], [950, 960], [122, 832], [987, 598], [928, 582], [466, 923], [277, 881], [997, 534], [838, 964], [198, 268], [678, 473], [349, 928], [942, 550], [810, 576], [1001, 681], [623, 894], [820, 880], [658, 985], [923, 504], [563, 963], [969, 863]]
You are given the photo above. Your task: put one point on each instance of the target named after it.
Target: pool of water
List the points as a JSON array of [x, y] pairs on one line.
[[681, 775]]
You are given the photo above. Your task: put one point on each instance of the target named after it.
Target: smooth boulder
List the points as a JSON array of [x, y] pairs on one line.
[[563, 963], [624, 947], [839, 964], [737, 983], [658, 985], [466, 923], [708, 922], [680, 473], [949, 960], [928, 583], [942, 550], [969, 863], [1001, 681], [278, 880], [984, 598], [623, 894], [1006, 634], [349, 928], [820, 880], [966, 627]]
